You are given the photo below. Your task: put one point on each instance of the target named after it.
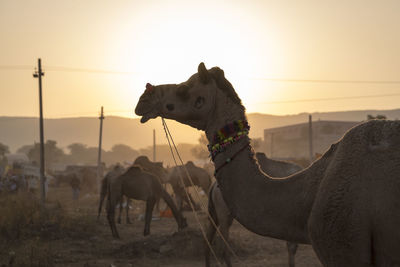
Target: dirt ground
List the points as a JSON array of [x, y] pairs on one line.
[[163, 247]]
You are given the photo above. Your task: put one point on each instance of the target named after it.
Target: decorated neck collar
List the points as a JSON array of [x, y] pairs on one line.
[[227, 135]]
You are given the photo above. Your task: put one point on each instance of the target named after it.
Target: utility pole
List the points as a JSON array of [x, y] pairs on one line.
[[154, 145], [310, 138], [272, 145], [99, 165], [38, 74]]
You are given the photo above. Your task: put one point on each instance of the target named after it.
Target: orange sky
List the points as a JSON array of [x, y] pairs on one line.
[[163, 42]]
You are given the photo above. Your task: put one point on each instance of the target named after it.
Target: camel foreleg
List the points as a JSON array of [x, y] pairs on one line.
[[180, 220], [292, 248], [151, 201]]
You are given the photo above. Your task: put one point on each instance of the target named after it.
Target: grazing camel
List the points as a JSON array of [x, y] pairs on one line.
[[141, 185], [115, 172], [346, 204], [155, 168], [222, 217], [200, 178]]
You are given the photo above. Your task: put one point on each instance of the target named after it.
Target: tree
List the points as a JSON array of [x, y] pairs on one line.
[[3, 159], [256, 143], [3, 149], [24, 149], [200, 151], [52, 153], [377, 117], [81, 153], [77, 148]]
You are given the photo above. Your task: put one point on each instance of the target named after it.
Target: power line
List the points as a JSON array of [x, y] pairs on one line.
[[73, 69], [326, 99], [16, 67], [85, 70], [328, 81], [65, 69]]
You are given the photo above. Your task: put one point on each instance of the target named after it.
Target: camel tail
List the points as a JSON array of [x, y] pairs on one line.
[[171, 204], [103, 192]]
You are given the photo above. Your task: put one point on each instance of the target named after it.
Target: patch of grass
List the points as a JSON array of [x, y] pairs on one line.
[[27, 227]]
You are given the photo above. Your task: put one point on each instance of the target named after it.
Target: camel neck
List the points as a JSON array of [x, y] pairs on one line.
[[275, 207]]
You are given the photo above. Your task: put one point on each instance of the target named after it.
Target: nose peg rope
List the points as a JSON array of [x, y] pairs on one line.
[[169, 136]]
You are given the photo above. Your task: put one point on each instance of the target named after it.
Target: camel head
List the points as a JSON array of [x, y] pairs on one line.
[[193, 102]]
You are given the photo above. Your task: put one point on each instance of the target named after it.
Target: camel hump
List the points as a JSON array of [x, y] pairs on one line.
[[190, 164], [135, 168], [142, 160], [374, 135]]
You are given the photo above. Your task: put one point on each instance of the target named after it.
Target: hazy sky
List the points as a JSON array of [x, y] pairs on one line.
[[135, 42]]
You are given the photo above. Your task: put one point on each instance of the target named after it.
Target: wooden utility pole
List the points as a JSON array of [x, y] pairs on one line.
[[272, 145], [38, 74], [310, 138], [99, 165], [154, 145]]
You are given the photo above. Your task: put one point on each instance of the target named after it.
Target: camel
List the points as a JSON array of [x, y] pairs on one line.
[[155, 168], [199, 176], [141, 185], [345, 204], [115, 172], [220, 214]]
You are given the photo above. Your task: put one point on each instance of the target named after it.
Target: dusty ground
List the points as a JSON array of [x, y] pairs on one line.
[[94, 246]]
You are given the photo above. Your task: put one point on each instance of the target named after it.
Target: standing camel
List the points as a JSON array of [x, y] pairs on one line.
[[141, 185], [222, 217], [114, 173], [155, 168], [199, 176], [346, 204]]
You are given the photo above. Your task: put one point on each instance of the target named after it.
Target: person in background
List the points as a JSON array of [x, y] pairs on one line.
[[75, 184]]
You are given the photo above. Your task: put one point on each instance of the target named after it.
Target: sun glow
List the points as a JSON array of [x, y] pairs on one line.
[[168, 44]]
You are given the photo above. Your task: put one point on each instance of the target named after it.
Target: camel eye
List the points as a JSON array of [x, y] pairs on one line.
[[199, 102]]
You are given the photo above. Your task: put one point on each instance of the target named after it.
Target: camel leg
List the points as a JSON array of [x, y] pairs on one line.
[[195, 205], [210, 237], [179, 202], [111, 217], [102, 196], [149, 214], [128, 202], [210, 229], [226, 223], [292, 248], [120, 211], [180, 220]]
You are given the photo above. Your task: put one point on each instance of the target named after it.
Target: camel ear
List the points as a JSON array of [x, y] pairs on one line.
[[203, 73]]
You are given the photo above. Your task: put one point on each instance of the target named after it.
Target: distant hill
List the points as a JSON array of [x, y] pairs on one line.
[[18, 131]]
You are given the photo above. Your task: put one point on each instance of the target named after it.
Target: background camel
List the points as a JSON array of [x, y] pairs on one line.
[[141, 185], [199, 176], [345, 204], [222, 217], [155, 168], [114, 173]]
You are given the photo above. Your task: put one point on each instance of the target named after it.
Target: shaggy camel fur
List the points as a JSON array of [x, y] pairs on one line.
[[346, 204], [220, 214], [141, 185], [200, 178]]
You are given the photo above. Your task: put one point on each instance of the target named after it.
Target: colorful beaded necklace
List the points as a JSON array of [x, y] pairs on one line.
[[228, 135]]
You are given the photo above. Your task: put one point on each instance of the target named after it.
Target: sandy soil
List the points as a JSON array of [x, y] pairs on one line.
[[163, 247]]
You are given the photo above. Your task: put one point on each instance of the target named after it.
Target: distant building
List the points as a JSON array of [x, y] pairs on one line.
[[292, 141]]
